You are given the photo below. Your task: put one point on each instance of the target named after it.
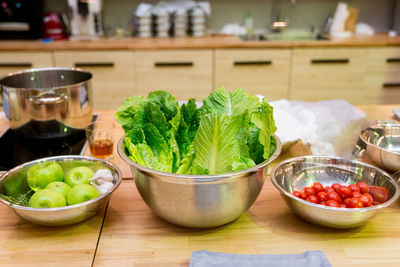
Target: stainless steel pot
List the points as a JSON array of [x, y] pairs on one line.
[[47, 102]]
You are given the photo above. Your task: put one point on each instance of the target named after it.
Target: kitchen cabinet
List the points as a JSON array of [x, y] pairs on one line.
[[382, 77], [16, 61], [185, 73], [329, 73], [113, 74], [258, 71]]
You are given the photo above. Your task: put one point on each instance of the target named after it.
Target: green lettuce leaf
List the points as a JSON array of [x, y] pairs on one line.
[[216, 145], [232, 103]]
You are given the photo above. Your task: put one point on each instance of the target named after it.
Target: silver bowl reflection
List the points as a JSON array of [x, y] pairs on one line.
[[199, 201], [63, 215], [381, 141], [296, 173]]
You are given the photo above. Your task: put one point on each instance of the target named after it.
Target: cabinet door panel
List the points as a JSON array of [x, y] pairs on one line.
[[16, 61], [185, 73], [113, 74], [258, 71], [328, 73]]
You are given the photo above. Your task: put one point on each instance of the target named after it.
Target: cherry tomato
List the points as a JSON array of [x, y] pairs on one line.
[[296, 193], [322, 202], [313, 199], [356, 194], [334, 196], [353, 187], [332, 203], [318, 187], [345, 192], [343, 205], [376, 203], [347, 201], [329, 189], [356, 203], [336, 186], [303, 195], [322, 196], [369, 196], [379, 193], [366, 201], [308, 191], [364, 188]]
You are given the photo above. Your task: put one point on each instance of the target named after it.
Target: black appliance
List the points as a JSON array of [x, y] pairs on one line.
[[16, 149], [21, 19]]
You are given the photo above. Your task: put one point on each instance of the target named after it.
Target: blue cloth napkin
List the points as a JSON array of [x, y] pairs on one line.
[[311, 258]]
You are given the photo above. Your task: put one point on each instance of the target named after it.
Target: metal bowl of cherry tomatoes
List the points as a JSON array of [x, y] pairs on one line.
[[334, 192]]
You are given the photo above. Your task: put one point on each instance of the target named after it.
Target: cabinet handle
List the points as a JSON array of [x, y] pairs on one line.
[[330, 61], [173, 64], [249, 63], [93, 64], [393, 60], [391, 85], [15, 64]]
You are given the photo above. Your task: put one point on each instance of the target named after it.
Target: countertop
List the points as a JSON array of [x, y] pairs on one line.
[[208, 42], [127, 233]]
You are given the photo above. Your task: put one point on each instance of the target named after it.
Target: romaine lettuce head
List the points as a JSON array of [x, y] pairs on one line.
[[231, 131]]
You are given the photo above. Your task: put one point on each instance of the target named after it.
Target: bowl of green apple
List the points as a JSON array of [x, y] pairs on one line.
[[61, 190]]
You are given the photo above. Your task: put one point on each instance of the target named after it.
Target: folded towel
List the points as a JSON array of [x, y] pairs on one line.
[[312, 258]]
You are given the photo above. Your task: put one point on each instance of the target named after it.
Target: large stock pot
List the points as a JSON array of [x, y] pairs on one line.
[[47, 102]]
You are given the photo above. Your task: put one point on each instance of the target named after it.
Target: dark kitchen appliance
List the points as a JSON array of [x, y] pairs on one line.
[[21, 19], [16, 149]]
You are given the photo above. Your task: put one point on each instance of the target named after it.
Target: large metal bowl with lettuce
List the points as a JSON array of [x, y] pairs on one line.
[[198, 166]]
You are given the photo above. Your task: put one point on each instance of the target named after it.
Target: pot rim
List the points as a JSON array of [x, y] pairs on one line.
[[198, 178], [45, 69]]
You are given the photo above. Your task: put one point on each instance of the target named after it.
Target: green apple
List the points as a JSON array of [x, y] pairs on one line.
[[47, 198], [78, 175], [59, 187], [40, 175], [81, 193]]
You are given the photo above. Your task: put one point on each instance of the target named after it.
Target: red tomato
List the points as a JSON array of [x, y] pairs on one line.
[[329, 189], [353, 187], [303, 195], [345, 192], [332, 203], [347, 201], [369, 196], [296, 193], [322, 203], [318, 187], [364, 188], [308, 191], [379, 193], [334, 196], [356, 194], [356, 203], [313, 199], [322, 196], [343, 205], [376, 203], [336, 186], [366, 201]]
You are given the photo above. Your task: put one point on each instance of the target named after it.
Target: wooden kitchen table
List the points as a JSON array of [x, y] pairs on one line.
[[129, 234]]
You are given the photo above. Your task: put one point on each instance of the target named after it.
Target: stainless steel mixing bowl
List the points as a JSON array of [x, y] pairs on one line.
[[199, 201], [381, 142], [296, 173], [63, 215]]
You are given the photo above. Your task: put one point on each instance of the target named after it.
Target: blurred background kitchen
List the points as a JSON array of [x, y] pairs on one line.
[[284, 49]]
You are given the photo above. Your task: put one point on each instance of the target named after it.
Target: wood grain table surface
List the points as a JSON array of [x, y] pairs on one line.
[[127, 233]]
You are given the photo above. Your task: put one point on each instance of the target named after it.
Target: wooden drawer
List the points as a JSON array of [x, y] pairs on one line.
[[185, 73], [382, 77], [16, 61], [113, 74], [258, 71], [328, 73]]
